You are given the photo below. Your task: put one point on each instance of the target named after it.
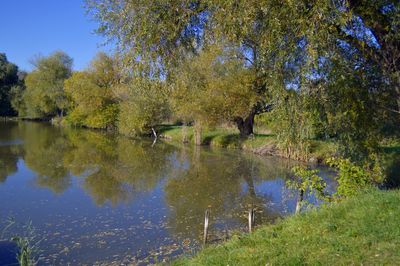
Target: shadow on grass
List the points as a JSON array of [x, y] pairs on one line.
[[222, 140], [166, 128], [392, 166], [263, 135], [393, 172]]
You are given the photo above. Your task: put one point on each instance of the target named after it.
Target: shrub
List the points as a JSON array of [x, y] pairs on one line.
[[353, 178]]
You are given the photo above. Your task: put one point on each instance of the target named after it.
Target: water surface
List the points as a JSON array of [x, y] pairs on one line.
[[101, 199]]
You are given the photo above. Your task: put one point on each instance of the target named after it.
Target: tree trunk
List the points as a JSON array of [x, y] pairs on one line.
[[246, 125]]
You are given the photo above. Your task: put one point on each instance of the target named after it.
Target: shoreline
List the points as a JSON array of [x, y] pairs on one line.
[[358, 230], [260, 144]]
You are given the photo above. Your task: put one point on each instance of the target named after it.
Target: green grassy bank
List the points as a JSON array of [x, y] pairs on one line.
[[364, 230], [260, 143]]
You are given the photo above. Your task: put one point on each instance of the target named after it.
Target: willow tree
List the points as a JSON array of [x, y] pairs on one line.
[[162, 34], [213, 87], [300, 46], [374, 31]]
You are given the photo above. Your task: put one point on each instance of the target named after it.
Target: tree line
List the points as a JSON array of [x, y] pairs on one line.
[[327, 70]]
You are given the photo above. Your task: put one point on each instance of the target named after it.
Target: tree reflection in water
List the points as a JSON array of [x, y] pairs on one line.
[[141, 192], [10, 150], [219, 181]]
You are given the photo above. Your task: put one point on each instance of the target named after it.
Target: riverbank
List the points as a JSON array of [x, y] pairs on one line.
[[9, 118], [262, 144], [364, 230]]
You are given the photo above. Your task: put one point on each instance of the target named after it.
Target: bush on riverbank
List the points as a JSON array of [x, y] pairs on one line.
[[361, 230]]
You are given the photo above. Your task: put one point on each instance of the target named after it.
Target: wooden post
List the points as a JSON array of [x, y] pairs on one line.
[[299, 201], [251, 219], [155, 137], [206, 223], [154, 133]]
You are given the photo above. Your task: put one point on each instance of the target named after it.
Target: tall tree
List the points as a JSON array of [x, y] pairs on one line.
[[8, 79], [344, 54], [17, 95], [94, 104], [163, 33], [44, 96]]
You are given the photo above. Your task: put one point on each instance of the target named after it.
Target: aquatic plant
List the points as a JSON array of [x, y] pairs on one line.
[[27, 243]]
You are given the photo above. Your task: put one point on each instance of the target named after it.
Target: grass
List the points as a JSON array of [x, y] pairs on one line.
[[229, 138], [217, 137], [364, 230]]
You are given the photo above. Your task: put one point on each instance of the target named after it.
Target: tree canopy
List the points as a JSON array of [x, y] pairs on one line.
[[44, 95], [8, 80], [336, 63], [92, 99]]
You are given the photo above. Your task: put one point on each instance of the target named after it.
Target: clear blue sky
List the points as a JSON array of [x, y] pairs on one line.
[[32, 27]]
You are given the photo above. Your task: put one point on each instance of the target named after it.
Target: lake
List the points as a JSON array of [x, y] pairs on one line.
[[96, 198]]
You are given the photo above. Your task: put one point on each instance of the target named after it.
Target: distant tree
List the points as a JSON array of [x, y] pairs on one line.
[[93, 102], [8, 79], [44, 95], [17, 95], [144, 105]]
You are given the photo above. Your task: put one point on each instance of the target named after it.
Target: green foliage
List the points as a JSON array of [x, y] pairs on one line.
[[103, 118], [28, 246], [144, 105], [352, 114], [163, 36], [90, 91], [17, 99], [308, 181], [27, 243], [292, 123], [353, 178], [217, 74], [44, 95], [166, 39], [8, 80], [339, 57]]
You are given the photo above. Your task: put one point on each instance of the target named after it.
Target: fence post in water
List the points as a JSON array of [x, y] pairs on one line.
[[251, 219], [206, 220], [299, 201]]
